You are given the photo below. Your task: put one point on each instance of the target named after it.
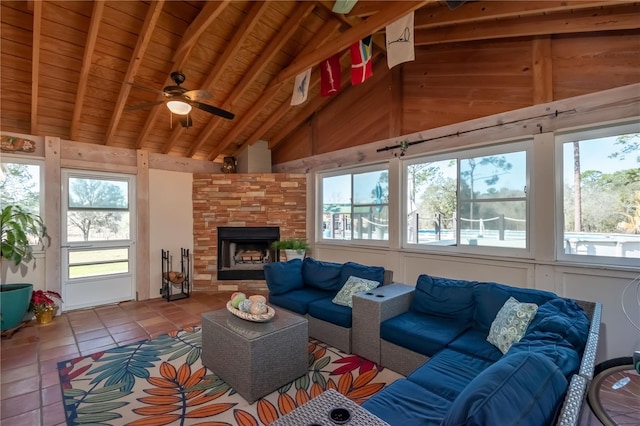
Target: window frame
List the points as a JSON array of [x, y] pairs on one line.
[[519, 145], [585, 133], [320, 176]]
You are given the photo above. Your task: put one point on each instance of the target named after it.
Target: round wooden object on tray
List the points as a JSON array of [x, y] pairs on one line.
[[250, 317]]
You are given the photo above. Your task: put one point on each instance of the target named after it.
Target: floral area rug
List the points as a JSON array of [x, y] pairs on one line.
[[162, 381]]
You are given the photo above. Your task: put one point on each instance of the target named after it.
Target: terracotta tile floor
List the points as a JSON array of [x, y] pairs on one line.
[[29, 385]]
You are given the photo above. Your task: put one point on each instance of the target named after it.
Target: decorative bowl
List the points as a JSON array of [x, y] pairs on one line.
[[251, 317]]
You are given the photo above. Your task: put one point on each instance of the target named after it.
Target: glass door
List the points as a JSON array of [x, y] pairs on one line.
[[98, 233]]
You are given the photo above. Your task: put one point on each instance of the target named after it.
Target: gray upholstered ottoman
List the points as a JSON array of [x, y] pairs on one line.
[[255, 358]]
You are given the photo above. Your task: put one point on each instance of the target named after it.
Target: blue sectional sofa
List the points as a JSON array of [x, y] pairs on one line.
[[539, 344], [308, 287]]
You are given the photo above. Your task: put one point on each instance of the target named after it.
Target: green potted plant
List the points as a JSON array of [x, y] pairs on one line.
[[17, 225], [294, 248]]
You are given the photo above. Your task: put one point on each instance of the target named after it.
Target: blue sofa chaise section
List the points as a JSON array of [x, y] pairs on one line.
[[307, 287], [460, 378]]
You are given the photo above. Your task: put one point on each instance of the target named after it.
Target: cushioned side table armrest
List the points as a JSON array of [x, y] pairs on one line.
[[370, 308]]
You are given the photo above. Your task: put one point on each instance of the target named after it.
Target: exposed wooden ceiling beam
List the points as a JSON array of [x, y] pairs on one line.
[[479, 11], [274, 46], [87, 59], [153, 13], [365, 8], [35, 65], [247, 26], [391, 12], [209, 13], [321, 36], [352, 21], [609, 19], [205, 18]]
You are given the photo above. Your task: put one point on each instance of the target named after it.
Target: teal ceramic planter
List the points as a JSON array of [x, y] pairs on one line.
[[14, 303]]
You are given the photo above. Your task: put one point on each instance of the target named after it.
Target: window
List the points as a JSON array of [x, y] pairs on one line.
[[600, 195], [468, 198], [98, 209], [355, 205], [21, 184]]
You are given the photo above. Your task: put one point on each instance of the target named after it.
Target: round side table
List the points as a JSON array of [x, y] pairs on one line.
[[614, 393]]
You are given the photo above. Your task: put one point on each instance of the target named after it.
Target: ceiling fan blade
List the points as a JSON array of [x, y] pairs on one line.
[[142, 106], [213, 110], [185, 120], [140, 86], [195, 95]]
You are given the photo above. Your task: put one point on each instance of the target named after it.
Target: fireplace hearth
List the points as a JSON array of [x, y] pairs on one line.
[[244, 250]]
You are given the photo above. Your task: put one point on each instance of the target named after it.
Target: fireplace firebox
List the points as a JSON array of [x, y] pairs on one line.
[[244, 250]]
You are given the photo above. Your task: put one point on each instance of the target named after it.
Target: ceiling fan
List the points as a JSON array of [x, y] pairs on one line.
[[181, 100]]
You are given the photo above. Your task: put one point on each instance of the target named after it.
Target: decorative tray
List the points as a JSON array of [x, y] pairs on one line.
[[251, 317]]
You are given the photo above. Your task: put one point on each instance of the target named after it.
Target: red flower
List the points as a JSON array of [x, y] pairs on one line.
[[40, 300]]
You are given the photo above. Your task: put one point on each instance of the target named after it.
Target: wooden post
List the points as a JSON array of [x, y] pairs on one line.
[[143, 274]]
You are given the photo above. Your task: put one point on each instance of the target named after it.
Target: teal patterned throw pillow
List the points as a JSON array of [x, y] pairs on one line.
[[352, 286], [511, 323]]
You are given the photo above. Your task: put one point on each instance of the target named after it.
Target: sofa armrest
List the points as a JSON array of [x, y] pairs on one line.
[[578, 387], [573, 401], [594, 312], [370, 308]]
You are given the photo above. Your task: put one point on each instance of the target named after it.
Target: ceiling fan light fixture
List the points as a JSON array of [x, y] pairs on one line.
[[179, 107]]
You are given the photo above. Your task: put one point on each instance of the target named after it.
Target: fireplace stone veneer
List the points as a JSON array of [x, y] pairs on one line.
[[242, 200]]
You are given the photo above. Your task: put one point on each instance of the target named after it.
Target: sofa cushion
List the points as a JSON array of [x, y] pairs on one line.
[[553, 347], [448, 372], [565, 318], [326, 310], [490, 297], [404, 402], [298, 300], [444, 297], [373, 273], [321, 275], [474, 342], [522, 388], [283, 277], [425, 334], [510, 323], [352, 286]]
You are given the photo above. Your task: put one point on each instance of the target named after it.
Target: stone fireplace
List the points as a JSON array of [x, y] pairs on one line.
[[242, 200], [244, 250]]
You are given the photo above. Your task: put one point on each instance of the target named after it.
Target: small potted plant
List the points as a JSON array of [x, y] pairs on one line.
[[43, 306], [20, 229], [294, 248]]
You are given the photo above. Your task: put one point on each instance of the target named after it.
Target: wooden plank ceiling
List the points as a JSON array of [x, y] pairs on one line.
[[78, 69]]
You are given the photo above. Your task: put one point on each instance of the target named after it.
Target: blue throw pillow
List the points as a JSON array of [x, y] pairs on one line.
[[352, 269], [283, 277], [322, 275], [444, 297], [520, 389]]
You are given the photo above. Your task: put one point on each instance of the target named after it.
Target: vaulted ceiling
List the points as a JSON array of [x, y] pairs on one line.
[[94, 71]]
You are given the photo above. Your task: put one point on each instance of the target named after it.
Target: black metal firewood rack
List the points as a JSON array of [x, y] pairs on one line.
[[176, 285]]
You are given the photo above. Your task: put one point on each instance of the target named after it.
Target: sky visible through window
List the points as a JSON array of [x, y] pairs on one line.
[[594, 155]]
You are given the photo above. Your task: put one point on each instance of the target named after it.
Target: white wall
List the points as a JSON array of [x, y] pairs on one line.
[[171, 221], [31, 273]]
